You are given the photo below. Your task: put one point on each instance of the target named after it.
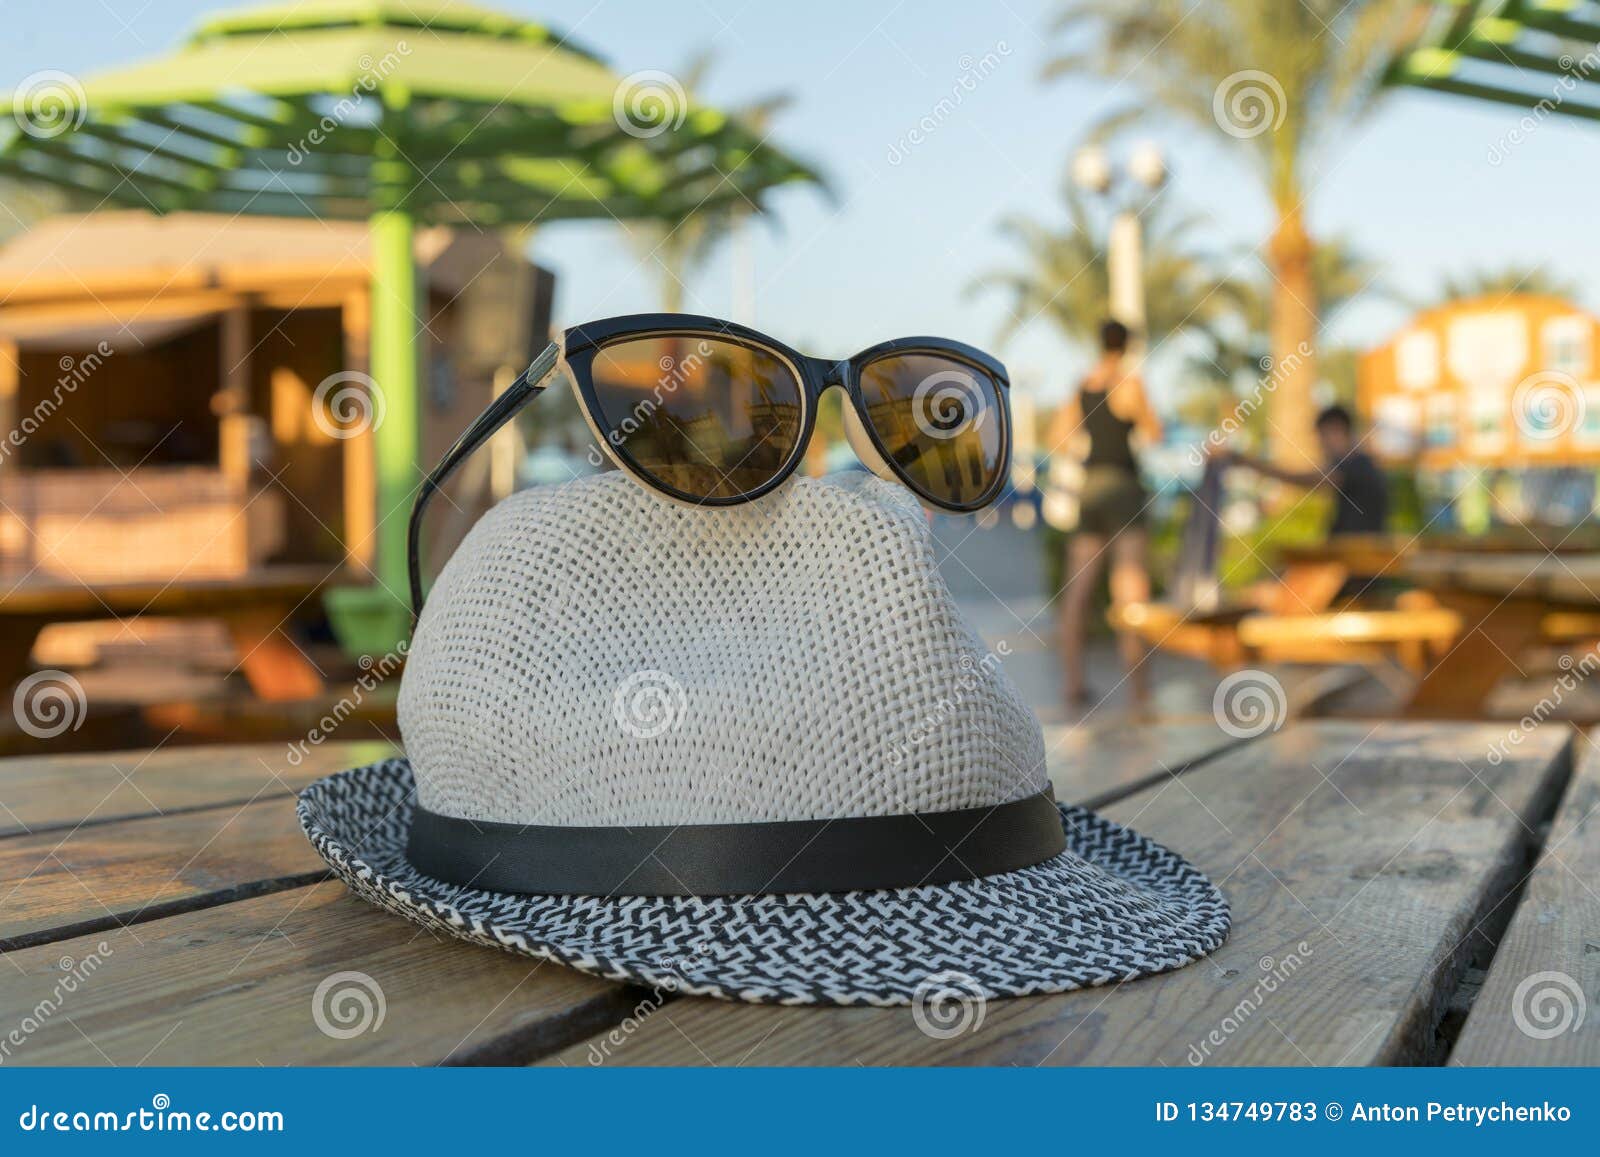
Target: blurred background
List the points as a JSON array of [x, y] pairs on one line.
[[260, 265]]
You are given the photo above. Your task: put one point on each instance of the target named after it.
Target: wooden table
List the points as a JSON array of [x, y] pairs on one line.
[[1510, 603], [255, 607], [1508, 600], [1382, 869]]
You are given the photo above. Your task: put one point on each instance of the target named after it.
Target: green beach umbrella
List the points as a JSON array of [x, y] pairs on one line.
[[1538, 55], [397, 112]]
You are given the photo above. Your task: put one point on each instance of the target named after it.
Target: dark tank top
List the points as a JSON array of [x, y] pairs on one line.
[[1109, 436]]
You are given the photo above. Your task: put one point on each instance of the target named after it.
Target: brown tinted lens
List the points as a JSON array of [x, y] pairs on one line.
[[708, 417], [941, 422]]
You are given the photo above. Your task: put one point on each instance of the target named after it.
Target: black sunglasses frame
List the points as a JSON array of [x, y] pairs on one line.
[[576, 353]]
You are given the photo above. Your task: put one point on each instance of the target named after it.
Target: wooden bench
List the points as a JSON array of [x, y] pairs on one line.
[[1294, 619], [1209, 635], [1410, 638], [1370, 864], [256, 608]]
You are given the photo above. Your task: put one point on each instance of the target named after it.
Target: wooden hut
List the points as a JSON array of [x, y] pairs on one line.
[[188, 397]]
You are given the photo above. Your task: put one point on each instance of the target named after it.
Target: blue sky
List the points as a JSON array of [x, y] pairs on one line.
[[1413, 188]]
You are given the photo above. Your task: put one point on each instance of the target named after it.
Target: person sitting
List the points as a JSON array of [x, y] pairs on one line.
[[1360, 491]]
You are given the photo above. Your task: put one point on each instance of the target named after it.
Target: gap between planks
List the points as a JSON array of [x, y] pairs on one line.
[[161, 911], [1433, 1041]]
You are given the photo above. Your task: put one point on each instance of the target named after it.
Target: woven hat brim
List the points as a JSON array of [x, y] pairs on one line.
[[1113, 907]]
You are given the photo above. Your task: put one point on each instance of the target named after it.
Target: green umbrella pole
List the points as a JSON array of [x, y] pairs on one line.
[[373, 620], [397, 438]]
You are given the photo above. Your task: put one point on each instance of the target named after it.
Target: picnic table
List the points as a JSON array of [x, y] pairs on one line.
[[1510, 604], [1402, 892], [1508, 601], [256, 607]]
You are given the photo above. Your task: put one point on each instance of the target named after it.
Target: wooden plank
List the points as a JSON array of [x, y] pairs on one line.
[[238, 985], [1093, 764], [43, 793], [1213, 637], [1547, 966], [1266, 633], [246, 719], [61, 598], [1357, 859], [273, 663], [60, 885], [1567, 579]]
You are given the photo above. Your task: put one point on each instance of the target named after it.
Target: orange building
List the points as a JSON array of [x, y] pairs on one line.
[[1493, 381]]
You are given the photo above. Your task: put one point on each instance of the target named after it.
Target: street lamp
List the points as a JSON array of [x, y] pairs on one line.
[[1129, 190]]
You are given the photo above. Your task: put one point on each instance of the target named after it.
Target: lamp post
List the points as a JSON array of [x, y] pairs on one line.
[[1129, 191]]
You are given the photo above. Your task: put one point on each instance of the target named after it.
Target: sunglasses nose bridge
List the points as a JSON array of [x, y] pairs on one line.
[[831, 375]]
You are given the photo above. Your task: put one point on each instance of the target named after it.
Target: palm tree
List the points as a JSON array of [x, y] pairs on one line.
[[1275, 81], [680, 249], [1535, 280], [1239, 356], [1339, 275], [1064, 275]]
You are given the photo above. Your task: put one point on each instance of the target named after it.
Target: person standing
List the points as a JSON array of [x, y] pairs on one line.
[[1109, 410]]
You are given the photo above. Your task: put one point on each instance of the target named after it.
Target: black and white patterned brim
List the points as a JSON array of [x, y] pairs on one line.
[[1114, 906]]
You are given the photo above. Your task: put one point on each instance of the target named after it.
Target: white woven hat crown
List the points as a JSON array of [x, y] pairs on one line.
[[594, 655]]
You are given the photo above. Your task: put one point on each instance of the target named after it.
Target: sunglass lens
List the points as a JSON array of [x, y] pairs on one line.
[[705, 417], [941, 423]]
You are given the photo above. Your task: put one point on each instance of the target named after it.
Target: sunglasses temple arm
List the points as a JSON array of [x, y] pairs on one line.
[[528, 385]]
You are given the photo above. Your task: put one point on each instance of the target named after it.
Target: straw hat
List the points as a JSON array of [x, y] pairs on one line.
[[752, 752]]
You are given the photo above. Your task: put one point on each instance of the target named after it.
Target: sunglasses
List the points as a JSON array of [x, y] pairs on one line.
[[712, 413]]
